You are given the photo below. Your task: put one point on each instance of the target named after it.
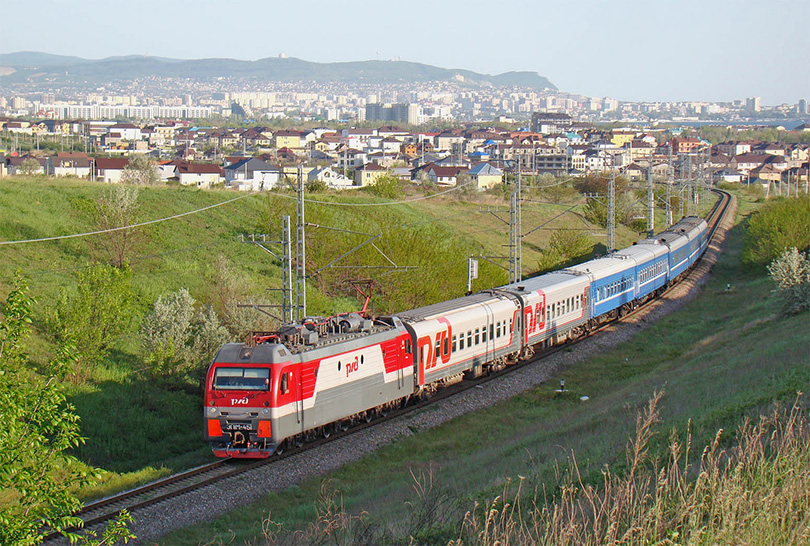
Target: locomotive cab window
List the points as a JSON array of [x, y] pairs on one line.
[[242, 379]]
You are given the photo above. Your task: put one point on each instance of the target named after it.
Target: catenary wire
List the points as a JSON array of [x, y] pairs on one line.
[[131, 226]]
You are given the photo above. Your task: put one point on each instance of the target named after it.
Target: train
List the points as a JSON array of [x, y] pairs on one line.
[[308, 380]]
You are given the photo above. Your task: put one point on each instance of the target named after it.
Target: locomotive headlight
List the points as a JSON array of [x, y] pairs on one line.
[[212, 411], [265, 411]]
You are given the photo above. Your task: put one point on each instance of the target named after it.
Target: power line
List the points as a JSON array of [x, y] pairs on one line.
[[385, 204], [131, 226]]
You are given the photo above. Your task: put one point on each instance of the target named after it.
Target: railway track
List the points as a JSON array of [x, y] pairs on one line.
[[98, 512]]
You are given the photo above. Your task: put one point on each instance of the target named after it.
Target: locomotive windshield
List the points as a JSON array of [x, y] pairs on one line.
[[242, 379]]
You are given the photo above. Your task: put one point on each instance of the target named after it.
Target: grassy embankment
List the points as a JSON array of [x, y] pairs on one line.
[[137, 429], [726, 356]]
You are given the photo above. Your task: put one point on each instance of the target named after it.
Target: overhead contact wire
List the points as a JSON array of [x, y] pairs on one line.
[[131, 226]]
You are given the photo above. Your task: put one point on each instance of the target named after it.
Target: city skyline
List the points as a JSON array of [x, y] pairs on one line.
[[632, 50]]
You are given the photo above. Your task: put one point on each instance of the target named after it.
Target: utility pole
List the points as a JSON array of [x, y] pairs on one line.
[[650, 201], [515, 254], [611, 209], [286, 281], [261, 241], [300, 253]]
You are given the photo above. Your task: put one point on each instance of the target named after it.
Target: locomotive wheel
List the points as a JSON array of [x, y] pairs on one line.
[[281, 447]]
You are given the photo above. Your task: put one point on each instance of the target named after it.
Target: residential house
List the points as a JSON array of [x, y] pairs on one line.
[[289, 138], [444, 176], [634, 171], [357, 138], [110, 169], [621, 137], [72, 164], [126, 131], [252, 174], [728, 174], [485, 176], [368, 174], [201, 175], [685, 145], [732, 148], [330, 177]]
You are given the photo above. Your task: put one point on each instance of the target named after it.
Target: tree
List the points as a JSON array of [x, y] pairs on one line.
[[96, 313], [39, 428], [178, 340], [791, 273], [116, 208], [29, 166], [141, 170]]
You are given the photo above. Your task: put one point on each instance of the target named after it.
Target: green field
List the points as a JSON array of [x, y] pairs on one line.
[[725, 357]]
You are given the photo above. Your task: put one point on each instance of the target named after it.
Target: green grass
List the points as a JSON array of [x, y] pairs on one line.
[[722, 358], [136, 430]]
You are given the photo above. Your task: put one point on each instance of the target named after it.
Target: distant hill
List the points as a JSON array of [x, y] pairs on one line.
[[33, 65]]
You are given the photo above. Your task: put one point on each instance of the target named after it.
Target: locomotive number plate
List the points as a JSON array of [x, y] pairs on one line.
[[237, 426]]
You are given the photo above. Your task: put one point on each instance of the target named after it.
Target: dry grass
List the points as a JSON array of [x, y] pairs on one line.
[[756, 492]]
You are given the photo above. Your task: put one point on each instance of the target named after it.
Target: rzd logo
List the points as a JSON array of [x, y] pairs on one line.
[[433, 352], [236, 401], [352, 366]]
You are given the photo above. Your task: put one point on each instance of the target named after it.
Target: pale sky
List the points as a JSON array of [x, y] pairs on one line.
[[715, 50]]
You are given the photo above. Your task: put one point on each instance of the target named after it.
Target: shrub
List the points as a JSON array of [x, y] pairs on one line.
[[386, 186], [791, 273], [100, 310], [179, 341], [777, 226]]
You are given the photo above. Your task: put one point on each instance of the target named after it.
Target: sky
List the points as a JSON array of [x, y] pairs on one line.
[[637, 50]]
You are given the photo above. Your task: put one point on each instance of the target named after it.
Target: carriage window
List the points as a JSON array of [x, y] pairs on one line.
[[491, 332], [446, 346], [454, 344], [484, 334], [498, 329], [477, 336]]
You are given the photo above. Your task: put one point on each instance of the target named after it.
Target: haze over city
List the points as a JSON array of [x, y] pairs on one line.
[[631, 50]]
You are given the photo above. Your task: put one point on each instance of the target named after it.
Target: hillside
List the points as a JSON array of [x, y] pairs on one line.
[[203, 253], [731, 364], [62, 69]]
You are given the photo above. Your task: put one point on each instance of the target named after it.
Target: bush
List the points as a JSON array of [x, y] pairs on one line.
[[779, 225], [386, 186], [179, 341], [93, 316], [791, 273]]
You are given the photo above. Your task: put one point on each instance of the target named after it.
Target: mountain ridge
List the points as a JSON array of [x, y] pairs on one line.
[[60, 68]]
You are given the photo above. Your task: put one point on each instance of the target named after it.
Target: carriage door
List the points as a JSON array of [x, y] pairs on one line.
[[298, 385], [489, 328]]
